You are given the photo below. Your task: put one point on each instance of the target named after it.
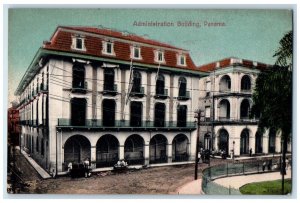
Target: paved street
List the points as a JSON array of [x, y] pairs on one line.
[[159, 180]]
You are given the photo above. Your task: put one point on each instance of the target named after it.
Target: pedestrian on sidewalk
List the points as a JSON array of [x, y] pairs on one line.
[[250, 152], [270, 164], [264, 166]]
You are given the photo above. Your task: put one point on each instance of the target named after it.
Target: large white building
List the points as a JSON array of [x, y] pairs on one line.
[[226, 100], [107, 95]]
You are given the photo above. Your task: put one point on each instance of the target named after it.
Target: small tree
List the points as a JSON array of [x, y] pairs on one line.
[[272, 96]]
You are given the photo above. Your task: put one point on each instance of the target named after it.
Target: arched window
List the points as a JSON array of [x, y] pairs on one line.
[[225, 83], [245, 83], [224, 109], [160, 85], [245, 109]]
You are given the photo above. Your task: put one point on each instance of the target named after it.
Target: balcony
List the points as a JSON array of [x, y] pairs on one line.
[[43, 88], [110, 89], [80, 88], [241, 121], [124, 125], [185, 96], [138, 92], [162, 95]]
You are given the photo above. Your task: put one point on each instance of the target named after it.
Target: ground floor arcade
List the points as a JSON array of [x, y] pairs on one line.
[[242, 140]]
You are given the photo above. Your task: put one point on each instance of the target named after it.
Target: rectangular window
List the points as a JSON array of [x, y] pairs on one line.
[[108, 48], [159, 56], [79, 43], [181, 60], [136, 52], [207, 112]]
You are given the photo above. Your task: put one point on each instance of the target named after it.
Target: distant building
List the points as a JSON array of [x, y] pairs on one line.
[[107, 95], [226, 101], [13, 126]]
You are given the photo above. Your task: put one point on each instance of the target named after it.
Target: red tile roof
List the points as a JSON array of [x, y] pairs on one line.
[[232, 61], [62, 41]]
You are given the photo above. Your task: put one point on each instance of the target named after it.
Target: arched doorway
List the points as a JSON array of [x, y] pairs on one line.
[[207, 141], [134, 149], [76, 149], [244, 142], [107, 151], [272, 139], [258, 142], [180, 148], [223, 140], [158, 147]]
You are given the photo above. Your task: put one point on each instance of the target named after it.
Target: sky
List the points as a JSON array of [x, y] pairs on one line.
[[248, 34]]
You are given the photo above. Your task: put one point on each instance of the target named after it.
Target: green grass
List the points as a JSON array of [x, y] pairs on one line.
[[267, 188]]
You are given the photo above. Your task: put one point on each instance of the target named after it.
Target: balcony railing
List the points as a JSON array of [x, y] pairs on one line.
[[162, 95], [185, 96], [97, 123], [80, 89], [140, 92], [234, 120], [43, 87], [110, 89]]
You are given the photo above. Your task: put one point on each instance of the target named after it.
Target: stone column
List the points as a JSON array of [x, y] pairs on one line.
[[121, 152], [93, 156], [266, 143], [278, 143], [146, 154], [252, 144], [169, 153]]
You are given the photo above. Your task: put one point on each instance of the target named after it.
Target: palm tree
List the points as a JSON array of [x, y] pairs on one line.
[[272, 96]]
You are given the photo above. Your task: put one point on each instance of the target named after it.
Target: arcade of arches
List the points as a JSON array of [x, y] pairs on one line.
[[108, 150]]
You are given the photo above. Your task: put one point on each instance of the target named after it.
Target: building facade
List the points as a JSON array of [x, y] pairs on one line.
[[226, 100], [107, 95]]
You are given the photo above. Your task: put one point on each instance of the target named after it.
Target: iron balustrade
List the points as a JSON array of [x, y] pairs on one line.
[[64, 122], [184, 96]]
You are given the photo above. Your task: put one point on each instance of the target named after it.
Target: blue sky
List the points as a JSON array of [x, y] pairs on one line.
[[249, 34]]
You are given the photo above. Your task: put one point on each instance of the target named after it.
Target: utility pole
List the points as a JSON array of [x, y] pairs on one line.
[[197, 116]]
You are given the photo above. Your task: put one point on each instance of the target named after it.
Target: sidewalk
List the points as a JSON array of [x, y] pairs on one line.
[[37, 167], [238, 181], [191, 188]]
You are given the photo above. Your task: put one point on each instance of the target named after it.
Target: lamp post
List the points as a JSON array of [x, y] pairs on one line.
[[197, 116], [233, 143]]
